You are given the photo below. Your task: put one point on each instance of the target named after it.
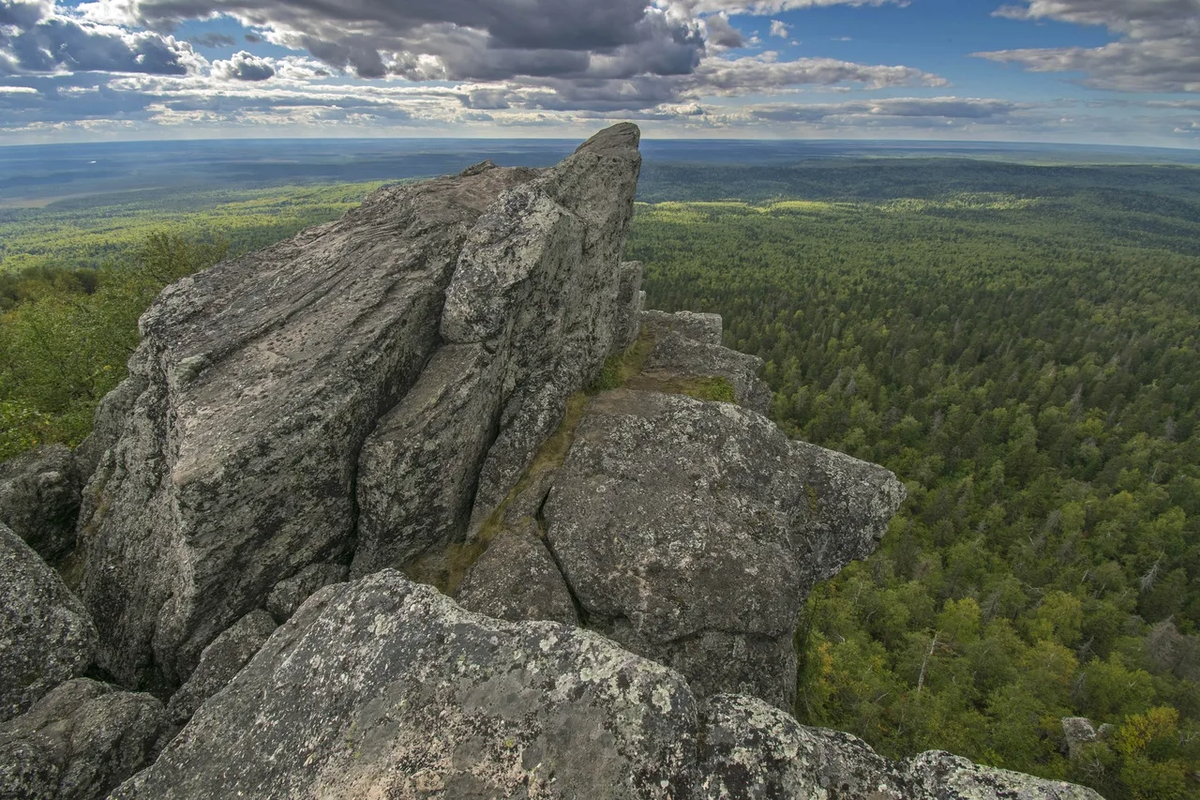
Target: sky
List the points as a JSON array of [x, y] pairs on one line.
[[1121, 72]]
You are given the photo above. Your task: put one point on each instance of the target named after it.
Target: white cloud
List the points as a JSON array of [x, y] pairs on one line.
[[778, 28], [1158, 49]]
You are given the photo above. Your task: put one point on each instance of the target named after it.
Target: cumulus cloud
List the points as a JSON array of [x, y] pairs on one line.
[[779, 28], [501, 62], [1158, 49], [244, 66], [765, 7], [36, 37], [722, 35]]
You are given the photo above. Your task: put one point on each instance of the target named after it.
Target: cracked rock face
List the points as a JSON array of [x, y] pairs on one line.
[[45, 634], [385, 688], [517, 580], [219, 662], [230, 457]]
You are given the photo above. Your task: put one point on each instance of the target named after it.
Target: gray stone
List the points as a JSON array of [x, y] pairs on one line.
[[1078, 732], [943, 776], [289, 594], [108, 423], [517, 580], [754, 751], [676, 357], [45, 634], [689, 532], [260, 379], [39, 499], [531, 314], [384, 688], [78, 743], [419, 467], [219, 662], [703, 328], [630, 299]]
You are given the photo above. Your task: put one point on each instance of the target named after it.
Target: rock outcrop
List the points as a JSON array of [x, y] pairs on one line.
[[39, 499], [691, 532], [517, 579], [453, 391], [280, 394], [385, 688], [78, 743], [45, 634]]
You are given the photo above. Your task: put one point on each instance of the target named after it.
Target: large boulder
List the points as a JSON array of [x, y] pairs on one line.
[[46, 636], [385, 688], [754, 752], [516, 579], [692, 531], [78, 743], [229, 460], [39, 499]]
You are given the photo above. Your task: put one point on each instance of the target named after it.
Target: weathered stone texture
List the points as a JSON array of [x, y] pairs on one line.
[[517, 580], [46, 636], [289, 594], [384, 688], [78, 743], [687, 530], [259, 381], [219, 662], [39, 499]]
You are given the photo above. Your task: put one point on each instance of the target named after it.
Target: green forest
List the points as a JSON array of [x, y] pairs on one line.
[[1021, 348]]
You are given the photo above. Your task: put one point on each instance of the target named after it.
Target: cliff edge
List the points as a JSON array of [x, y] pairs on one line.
[[423, 503]]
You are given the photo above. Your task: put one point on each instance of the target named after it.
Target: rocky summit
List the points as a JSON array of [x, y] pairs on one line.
[[423, 503]]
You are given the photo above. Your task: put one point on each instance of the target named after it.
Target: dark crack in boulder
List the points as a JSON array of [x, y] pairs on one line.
[[78, 743], [689, 532], [219, 662], [39, 499], [46, 636], [290, 594], [385, 688], [516, 579]]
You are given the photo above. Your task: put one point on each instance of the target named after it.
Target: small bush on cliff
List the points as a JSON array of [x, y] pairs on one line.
[[64, 345]]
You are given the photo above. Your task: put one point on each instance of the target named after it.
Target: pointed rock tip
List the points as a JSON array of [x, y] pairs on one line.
[[476, 169], [623, 135]]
